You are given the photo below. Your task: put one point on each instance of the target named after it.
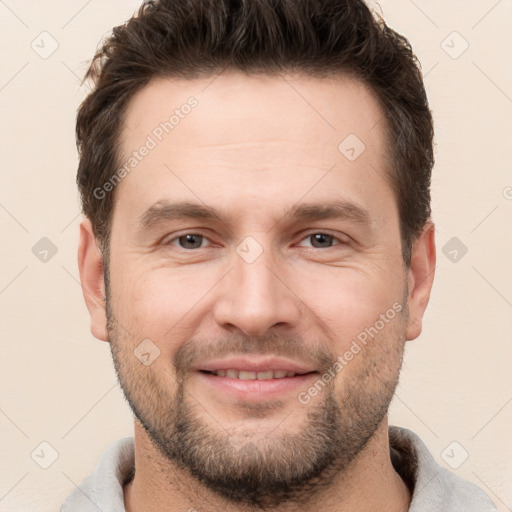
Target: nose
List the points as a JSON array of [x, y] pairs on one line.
[[255, 297]]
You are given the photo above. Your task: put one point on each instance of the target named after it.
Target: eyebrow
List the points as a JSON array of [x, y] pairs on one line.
[[337, 210], [163, 211]]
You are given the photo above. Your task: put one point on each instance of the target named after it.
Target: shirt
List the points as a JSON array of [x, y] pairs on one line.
[[434, 489]]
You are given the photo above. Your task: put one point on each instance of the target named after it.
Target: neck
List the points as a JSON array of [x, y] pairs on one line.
[[369, 483]]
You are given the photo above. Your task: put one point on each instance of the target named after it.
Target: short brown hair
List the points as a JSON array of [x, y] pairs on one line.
[[191, 38]]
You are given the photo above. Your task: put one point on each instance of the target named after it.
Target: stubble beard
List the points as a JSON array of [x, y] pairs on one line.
[[258, 469]]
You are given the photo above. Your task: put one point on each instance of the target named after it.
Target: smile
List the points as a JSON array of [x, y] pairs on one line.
[[232, 373]]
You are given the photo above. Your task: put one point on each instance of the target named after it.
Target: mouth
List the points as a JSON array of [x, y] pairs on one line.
[[255, 379], [232, 373]]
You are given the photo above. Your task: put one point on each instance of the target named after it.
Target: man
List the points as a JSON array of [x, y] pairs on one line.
[[257, 248]]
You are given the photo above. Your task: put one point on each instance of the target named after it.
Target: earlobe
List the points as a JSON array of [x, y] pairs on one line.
[[420, 277], [91, 270]]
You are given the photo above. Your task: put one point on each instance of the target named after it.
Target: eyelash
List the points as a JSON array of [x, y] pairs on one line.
[[304, 237]]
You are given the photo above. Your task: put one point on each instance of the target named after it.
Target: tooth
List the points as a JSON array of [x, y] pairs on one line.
[[247, 375], [265, 375]]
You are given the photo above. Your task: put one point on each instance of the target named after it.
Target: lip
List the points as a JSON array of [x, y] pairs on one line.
[[255, 390], [256, 364]]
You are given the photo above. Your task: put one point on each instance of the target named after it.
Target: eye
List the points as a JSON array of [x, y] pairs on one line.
[[189, 241], [320, 240]]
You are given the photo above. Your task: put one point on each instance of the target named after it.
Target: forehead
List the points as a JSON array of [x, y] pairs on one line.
[[253, 134], [248, 107]]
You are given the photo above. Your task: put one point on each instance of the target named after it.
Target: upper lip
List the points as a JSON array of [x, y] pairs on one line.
[[255, 364]]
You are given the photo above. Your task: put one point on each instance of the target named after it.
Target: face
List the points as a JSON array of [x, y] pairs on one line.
[[257, 300]]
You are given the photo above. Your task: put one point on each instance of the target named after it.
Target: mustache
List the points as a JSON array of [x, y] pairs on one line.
[[294, 347]]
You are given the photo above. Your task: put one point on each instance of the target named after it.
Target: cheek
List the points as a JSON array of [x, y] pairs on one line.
[[160, 304], [348, 300], [370, 359]]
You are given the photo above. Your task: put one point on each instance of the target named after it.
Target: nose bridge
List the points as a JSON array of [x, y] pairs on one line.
[[258, 283], [254, 298]]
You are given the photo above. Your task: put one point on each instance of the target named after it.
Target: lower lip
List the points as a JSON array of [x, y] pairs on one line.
[[255, 390]]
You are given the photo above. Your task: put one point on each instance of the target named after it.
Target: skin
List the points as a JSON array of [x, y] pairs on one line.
[[253, 149]]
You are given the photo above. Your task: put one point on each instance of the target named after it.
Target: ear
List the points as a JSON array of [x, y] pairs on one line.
[[420, 277], [90, 266]]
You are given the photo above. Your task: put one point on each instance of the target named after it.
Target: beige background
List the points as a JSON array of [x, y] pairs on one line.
[[58, 385]]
